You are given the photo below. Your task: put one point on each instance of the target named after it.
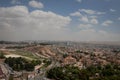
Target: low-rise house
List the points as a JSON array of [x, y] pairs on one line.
[[79, 65], [2, 75], [69, 60], [31, 76]]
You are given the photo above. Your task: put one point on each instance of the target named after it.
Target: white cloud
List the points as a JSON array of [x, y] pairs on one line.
[[90, 20], [17, 23], [90, 16], [107, 23], [85, 26], [78, 14], [13, 12], [88, 11], [112, 10], [94, 21], [91, 12], [36, 4], [84, 19], [100, 13], [15, 2], [50, 18], [93, 17], [79, 1]]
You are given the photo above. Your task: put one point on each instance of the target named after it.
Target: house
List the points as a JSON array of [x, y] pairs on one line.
[[2, 75], [69, 60], [31, 76]]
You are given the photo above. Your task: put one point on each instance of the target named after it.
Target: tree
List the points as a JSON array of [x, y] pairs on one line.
[[2, 55], [11, 77], [67, 73], [20, 64]]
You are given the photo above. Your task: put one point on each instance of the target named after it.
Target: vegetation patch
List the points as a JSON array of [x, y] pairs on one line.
[[2, 56], [108, 72], [21, 63]]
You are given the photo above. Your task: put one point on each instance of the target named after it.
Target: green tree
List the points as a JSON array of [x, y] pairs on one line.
[[2, 55], [11, 77]]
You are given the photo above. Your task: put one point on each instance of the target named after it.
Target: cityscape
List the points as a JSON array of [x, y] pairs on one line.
[[59, 40], [39, 57]]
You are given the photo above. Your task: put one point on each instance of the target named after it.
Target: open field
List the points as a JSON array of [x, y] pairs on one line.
[[16, 55], [20, 53], [12, 55]]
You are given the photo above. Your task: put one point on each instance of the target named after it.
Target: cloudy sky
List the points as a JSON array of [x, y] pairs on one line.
[[74, 20]]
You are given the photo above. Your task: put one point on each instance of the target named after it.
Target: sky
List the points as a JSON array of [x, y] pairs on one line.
[[72, 20]]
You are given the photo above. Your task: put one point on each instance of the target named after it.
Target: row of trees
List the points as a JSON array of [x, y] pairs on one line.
[[108, 72], [64, 73], [21, 63], [47, 62], [2, 55]]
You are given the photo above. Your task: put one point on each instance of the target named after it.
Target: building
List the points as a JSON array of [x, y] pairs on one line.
[[2, 75], [69, 60]]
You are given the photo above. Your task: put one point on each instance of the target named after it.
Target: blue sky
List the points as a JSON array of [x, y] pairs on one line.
[[76, 20]]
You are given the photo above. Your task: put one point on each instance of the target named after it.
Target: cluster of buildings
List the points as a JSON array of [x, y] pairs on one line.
[[76, 54], [84, 56]]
